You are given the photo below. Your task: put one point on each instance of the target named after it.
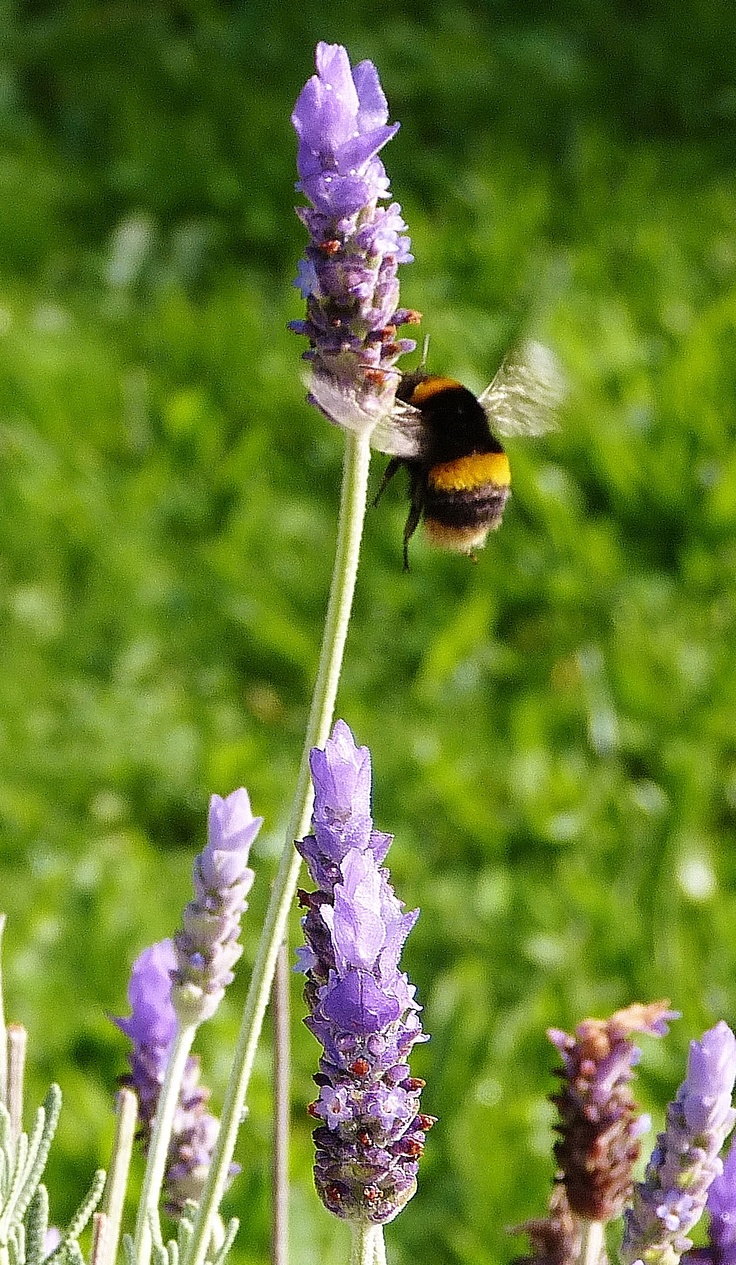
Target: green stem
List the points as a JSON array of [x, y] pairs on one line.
[[349, 532], [160, 1139]]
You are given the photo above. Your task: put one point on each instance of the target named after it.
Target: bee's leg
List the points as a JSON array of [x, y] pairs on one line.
[[418, 487], [394, 464]]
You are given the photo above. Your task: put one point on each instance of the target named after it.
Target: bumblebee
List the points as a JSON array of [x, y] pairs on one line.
[[447, 438]]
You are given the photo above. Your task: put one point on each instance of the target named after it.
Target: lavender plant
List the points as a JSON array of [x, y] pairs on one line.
[[370, 1131]]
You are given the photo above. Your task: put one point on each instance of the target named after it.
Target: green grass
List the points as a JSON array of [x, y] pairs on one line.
[[552, 729]]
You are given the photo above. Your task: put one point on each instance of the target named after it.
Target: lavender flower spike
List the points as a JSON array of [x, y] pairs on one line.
[[362, 1007], [599, 1129], [151, 1028], [207, 946], [348, 275], [685, 1161]]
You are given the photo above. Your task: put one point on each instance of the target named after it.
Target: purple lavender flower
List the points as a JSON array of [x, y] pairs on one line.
[[721, 1208], [599, 1127], [362, 1007], [685, 1161], [151, 1028], [349, 273], [207, 946]]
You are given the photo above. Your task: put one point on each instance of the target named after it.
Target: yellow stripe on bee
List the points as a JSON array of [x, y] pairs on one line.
[[466, 473], [430, 386]]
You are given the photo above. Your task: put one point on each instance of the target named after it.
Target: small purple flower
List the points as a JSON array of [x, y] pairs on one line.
[[207, 946], [152, 1027], [685, 1161], [362, 1007], [349, 274], [600, 1129]]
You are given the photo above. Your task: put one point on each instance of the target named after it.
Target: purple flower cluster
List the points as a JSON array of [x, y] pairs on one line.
[[349, 273], [207, 946], [362, 1007], [600, 1129], [685, 1161], [151, 1028]]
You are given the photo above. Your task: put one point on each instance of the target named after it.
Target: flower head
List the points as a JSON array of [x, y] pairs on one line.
[[362, 1006], [349, 273], [207, 946], [599, 1129], [685, 1161], [152, 1027]]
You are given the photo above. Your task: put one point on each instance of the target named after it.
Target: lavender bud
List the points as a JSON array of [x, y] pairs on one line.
[[599, 1127], [685, 1161], [349, 273], [362, 1007], [152, 1027], [207, 947]]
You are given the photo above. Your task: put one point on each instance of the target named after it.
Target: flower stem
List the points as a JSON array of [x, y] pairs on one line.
[[368, 1245], [593, 1246], [281, 1098], [349, 532], [160, 1139], [117, 1178]]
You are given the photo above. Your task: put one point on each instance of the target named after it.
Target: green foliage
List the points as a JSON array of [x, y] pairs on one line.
[[552, 729]]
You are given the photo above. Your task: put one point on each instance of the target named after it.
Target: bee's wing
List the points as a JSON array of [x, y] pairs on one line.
[[398, 433], [525, 394], [402, 433]]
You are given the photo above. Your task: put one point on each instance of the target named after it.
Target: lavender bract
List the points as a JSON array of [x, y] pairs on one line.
[[362, 1007], [685, 1161], [348, 275], [152, 1027], [207, 946]]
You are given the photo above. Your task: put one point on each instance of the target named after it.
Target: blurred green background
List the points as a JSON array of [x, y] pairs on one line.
[[552, 730]]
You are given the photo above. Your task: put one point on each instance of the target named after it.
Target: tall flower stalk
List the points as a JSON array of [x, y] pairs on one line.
[[349, 280], [685, 1161]]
